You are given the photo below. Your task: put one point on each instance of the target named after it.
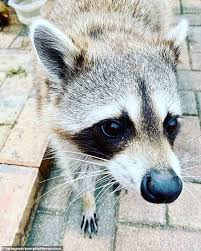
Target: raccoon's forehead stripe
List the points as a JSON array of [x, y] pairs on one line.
[[150, 122]]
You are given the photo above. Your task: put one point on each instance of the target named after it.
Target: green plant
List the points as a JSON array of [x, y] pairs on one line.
[[17, 71]]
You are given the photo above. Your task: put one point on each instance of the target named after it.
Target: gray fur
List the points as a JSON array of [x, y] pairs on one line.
[[107, 47]]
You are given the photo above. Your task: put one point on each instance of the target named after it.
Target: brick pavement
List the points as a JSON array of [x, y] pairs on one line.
[[22, 140], [126, 222]]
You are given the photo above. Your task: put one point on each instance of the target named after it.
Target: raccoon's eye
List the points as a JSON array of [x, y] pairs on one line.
[[171, 124], [113, 128]]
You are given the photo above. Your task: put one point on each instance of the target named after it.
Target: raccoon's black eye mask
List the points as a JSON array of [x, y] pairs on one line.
[[106, 137], [110, 136]]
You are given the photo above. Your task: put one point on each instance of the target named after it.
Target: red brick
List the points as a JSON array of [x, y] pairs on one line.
[[14, 58], [193, 19], [176, 6], [4, 132], [6, 39], [188, 101], [191, 6], [189, 80], [13, 95], [27, 142], [184, 59], [195, 39], [185, 211], [18, 186], [21, 42], [150, 239], [14, 28], [187, 147], [196, 61], [2, 78], [133, 208]]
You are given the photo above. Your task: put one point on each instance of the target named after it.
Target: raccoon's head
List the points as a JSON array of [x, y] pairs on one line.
[[121, 106]]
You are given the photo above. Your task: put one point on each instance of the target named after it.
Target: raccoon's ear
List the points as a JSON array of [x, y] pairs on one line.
[[177, 36], [57, 52]]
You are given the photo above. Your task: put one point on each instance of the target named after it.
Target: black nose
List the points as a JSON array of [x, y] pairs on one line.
[[157, 187]]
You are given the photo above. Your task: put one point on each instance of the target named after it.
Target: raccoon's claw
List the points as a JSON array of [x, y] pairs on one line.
[[116, 188], [89, 225]]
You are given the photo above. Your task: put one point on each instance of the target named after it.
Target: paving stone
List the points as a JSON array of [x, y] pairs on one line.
[[188, 103], [198, 95], [176, 6], [184, 63], [14, 28], [14, 20], [18, 186], [27, 142], [195, 39], [4, 132], [55, 199], [143, 239], [6, 39], [133, 208], [21, 42], [2, 78], [185, 211], [187, 147], [47, 8], [191, 6], [13, 95], [189, 80], [12, 59], [46, 230], [193, 19], [196, 61], [73, 237]]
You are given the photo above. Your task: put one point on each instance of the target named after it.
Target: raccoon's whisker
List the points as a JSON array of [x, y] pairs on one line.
[[67, 182], [49, 158], [186, 171], [105, 177], [120, 196], [116, 190], [100, 192], [87, 161], [88, 155], [92, 149], [59, 176], [189, 168], [108, 188], [194, 138], [190, 159], [83, 172], [81, 194], [190, 191], [49, 192], [180, 97]]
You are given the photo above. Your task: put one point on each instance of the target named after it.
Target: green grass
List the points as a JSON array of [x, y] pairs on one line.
[[16, 71]]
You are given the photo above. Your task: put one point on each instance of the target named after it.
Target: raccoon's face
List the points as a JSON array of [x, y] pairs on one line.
[[121, 107]]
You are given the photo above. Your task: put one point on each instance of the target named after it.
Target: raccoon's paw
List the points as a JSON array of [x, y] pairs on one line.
[[89, 224]]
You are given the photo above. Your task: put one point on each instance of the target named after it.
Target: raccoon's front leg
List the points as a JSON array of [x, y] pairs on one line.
[[86, 186], [89, 223]]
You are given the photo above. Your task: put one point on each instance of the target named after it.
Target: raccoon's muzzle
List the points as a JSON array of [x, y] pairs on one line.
[[157, 187]]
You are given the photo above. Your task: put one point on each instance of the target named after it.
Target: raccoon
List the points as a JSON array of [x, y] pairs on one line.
[[107, 90]]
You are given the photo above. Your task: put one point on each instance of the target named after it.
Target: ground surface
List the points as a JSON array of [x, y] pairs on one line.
[[126, 222]]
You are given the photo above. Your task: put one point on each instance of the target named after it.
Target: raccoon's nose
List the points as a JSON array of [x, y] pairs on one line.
[[157, 187]]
